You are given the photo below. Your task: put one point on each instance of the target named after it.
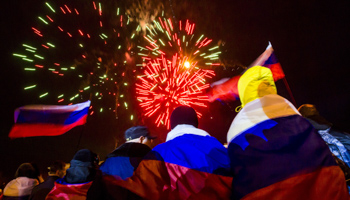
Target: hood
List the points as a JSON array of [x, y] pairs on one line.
[[21, 186], [255, 83], [79, 172]]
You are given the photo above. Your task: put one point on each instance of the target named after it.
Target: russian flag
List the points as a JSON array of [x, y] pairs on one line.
[[268, 59], [48, 120], [186, 167], [226, 89], [277, 154], [69, 191]]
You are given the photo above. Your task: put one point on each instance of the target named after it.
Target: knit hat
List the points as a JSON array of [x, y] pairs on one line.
[[183, 115], [85, 155], [136, 132]]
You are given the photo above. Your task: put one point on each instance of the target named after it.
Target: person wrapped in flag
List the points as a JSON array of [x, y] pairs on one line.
[[191, 164], [78, 179], [274, 152]]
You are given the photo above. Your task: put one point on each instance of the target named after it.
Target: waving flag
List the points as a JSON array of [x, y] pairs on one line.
[[226, 89], [48, 120], [268, 59]]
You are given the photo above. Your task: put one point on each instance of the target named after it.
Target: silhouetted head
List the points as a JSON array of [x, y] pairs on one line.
[[57, 168], [26, 170], [183, 115], [140, 134]]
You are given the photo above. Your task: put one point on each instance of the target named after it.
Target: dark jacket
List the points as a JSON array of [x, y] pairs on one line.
[[40, 191], [124, 159], [121, 162]]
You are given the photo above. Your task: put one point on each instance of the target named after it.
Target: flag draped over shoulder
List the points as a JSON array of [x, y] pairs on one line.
[[69, 191], [275, 153], [48, 120], [187, 167]]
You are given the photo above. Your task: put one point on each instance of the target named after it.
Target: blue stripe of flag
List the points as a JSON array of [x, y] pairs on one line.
[[50, 117], [290, 147], [271, 60]]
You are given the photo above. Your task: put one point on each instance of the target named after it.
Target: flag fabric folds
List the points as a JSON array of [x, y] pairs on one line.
[[268, 59], [226, 89], [48, 120], [275, 153], [69, 191], [187, 167]]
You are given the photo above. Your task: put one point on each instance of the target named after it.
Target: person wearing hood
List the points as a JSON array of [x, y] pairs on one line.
[[79, 177], [275, 153], [191, 164], [21, 187]]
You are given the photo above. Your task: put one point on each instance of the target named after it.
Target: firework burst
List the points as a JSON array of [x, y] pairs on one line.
[[176, 69], [81, 50]]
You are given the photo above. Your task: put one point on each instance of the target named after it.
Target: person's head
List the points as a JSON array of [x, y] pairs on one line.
[[139, 134], [307, 110], [86, 156], [57, 168], [255, 83], [83, 167], [26, 170], [310, 111], [183, 115]]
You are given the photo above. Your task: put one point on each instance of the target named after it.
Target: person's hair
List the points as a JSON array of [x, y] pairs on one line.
[[183, 115], [26, 170], [56, 166]]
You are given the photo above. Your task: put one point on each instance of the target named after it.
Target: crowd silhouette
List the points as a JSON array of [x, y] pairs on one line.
[[274, 151]]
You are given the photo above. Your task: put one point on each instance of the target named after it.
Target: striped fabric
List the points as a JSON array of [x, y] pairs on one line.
[[189, 166], [48, 120], [277, 154]]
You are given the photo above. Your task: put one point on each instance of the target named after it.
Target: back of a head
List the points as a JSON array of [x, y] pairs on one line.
[[136, 132], [310, 111], [26, 170], [183, 115], [255, 83], [86, 156], [307, 110], [82, 167], [57, 166]]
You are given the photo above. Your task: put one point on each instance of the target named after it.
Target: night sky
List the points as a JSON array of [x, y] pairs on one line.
[[310, 39]]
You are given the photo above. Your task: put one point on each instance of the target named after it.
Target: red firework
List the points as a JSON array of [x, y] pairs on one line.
[[167, 84]]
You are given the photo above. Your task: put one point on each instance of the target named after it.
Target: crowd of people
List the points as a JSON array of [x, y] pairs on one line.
[[274, 151]]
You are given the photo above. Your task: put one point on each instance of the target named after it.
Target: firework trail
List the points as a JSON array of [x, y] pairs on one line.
[[81, 50], [176, 67]]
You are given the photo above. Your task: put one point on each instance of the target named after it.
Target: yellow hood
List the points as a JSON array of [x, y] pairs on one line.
[[255, 83]]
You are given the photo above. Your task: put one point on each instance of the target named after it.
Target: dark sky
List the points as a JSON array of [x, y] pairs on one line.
[[310, 39]]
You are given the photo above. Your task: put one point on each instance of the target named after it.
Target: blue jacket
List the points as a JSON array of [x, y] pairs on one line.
[[124, 160]]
